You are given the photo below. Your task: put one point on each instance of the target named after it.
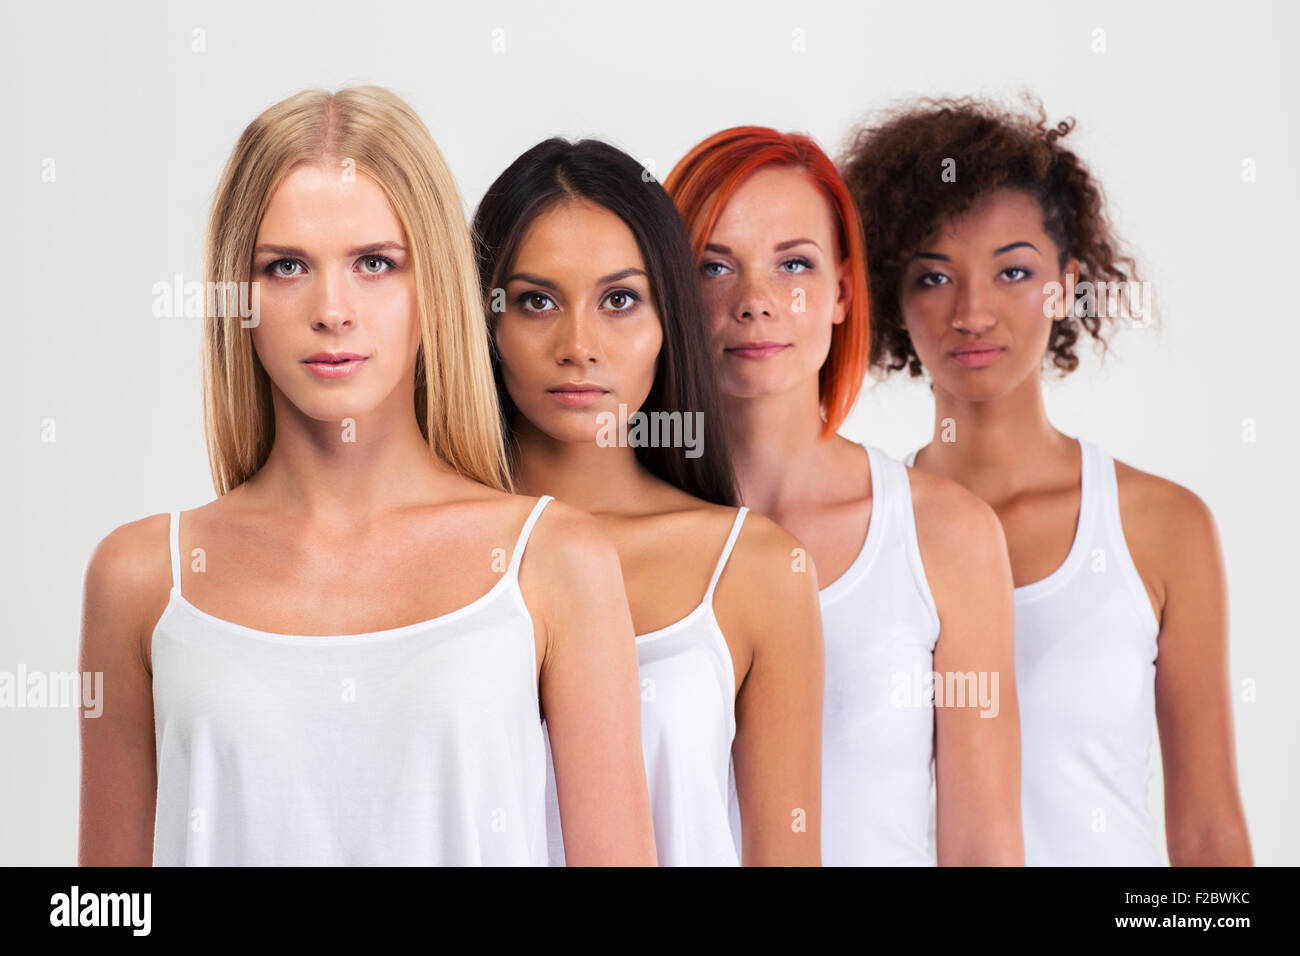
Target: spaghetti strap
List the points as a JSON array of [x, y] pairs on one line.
[[726, 552], [527, 530], [175, 544]]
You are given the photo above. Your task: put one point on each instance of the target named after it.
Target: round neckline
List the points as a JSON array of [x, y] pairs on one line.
[[661, 631], [870, 543], [1082, 532], [319, 639]]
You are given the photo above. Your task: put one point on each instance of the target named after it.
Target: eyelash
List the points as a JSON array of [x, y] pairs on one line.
[[523, 299], [921, 279], [270, 266], [795, 260]]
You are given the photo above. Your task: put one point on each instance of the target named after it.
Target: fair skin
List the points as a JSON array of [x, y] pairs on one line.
[[579, 309], [334, 537], [980, 279], [774, 248]]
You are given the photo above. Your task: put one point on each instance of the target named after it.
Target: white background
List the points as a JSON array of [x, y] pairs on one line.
[[138, 125]]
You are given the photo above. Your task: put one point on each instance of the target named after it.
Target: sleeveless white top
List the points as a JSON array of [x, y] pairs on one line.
[[880, 626], [1085, 677], [688, 722], [415, 745]]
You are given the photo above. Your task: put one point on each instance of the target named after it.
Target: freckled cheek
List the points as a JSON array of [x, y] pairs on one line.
[[717, 309]]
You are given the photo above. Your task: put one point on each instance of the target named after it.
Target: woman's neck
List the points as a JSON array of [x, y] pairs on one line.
[[596, 479], [345, 473], [777, 450], [994, 447]]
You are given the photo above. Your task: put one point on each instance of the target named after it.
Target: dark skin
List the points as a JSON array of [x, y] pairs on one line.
[[978, 281]]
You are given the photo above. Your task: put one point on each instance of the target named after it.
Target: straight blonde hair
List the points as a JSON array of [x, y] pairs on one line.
[[371, 131]]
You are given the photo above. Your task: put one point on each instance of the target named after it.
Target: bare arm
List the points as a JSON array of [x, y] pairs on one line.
[[768, 599], [977, 746], [1204, 821], [118, 772], [590, 689]]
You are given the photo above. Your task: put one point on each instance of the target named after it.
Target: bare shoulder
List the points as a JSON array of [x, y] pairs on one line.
[[953, 525], [1159, 502], [768, 593], [1166, 525], [766, 554], [568, 551], [128, 580]]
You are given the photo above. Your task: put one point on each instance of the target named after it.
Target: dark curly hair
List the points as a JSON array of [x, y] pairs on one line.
[[893, 168]]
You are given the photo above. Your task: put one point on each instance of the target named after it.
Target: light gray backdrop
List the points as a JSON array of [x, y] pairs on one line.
[[117, 120]]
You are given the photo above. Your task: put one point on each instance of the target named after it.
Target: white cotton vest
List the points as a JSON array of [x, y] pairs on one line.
[[415, 745], [688, 722], [1085, 677], [880, 626]]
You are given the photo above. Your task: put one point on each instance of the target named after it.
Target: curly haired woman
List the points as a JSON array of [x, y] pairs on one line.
[[988, 244]]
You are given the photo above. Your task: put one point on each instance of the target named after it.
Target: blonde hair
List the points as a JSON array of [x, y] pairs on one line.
[[374, 129]]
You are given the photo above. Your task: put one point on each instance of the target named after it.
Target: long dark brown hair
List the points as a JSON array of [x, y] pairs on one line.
[[686, 376]]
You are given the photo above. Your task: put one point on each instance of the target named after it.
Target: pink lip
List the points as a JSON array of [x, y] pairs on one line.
[[978, 356], [333, 364], [757, 350], [578, 395]]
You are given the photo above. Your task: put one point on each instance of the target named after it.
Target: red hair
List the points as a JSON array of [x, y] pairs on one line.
[[703, 182]]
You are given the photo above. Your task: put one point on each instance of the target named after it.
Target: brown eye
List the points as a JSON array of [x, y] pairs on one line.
[[622, 300], [534, 302]]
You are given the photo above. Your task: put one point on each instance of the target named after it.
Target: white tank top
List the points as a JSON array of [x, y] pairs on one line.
[[1085, 676], [415, 745], [880, 626], [688, 722]]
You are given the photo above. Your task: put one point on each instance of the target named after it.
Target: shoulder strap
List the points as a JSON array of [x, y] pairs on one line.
[[527, 530], [726, 552], [1098, 493], [175, 545]]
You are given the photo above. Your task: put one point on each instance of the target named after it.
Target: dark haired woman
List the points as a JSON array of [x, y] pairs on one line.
[[611, 406], [990, 250]]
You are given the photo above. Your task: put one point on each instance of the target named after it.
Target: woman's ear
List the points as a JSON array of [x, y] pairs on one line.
[[844, 292]]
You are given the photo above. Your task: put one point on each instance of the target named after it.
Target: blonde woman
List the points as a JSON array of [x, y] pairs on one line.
[[345, 657]]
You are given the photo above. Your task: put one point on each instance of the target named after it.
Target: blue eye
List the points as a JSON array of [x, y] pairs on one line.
[[797, 261], [631, 298], [712, 263], [529, 299], [387, 263]]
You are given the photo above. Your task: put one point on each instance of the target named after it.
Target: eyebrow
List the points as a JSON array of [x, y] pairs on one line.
[[779, 247], [997, 252], [366, 250], [1014, 245], [549, 284]]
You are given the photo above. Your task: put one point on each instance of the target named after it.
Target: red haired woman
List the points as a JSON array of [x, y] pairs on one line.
[[783, 271], [981, 225]]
